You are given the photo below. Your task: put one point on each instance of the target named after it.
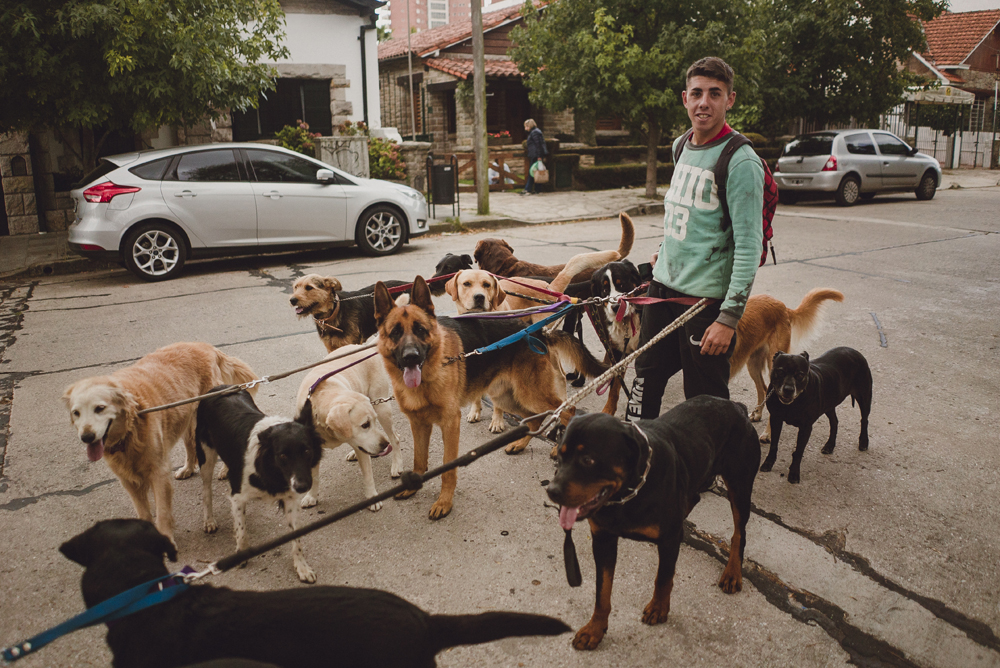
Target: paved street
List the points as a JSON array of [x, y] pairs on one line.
[[886, 557]]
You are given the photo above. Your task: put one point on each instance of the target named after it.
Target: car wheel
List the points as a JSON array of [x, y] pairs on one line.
[[380, 231], [155, 252], [928, 187], [785, 197], [848, 191], [867, 196]]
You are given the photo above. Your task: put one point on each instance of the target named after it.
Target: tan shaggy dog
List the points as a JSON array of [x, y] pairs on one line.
[[432, 381], [768, 327], [105, 412], [497, 257]]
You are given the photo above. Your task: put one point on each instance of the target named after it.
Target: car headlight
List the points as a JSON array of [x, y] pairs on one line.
[[415, 195]]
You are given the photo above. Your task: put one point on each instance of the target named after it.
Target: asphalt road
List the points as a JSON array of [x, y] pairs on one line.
[[886, 557]]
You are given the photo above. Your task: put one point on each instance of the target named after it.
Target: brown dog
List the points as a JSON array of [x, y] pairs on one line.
[[341, 317], [497, 257], [104, 410], [432, 381], [767, 327]]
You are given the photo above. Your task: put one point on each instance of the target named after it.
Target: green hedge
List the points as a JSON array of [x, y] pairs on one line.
[[604, 177], [769, 153]]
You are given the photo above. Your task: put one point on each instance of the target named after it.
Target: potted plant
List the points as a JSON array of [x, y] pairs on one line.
[[497, 138]]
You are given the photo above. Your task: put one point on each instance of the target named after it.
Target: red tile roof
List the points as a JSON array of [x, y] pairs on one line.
[[462, 67], [429, 41], [952, 37]]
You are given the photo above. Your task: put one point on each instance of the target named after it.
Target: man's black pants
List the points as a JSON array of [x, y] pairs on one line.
[[703, 374]]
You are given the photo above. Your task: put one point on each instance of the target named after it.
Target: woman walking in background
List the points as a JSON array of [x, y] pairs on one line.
[[534, 150]]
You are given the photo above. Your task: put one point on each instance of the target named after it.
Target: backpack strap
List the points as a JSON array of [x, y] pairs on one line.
[[681, 143], [722, 172]]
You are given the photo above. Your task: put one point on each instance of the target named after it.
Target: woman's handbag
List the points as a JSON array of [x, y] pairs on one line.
[[540, 173]]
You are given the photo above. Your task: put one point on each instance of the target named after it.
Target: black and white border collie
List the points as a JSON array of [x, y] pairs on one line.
[[268, 457], [613, 281]]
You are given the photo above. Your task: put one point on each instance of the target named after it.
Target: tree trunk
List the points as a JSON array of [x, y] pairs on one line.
[[585, 127], [653, 140]]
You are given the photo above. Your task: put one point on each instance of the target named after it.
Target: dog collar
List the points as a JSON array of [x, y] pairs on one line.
[[322, 322], [642, 481]]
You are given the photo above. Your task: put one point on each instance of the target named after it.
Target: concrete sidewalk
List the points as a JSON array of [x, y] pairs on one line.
[[48, 253]]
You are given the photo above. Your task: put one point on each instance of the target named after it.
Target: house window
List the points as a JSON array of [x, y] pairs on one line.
[[451, 111], [292, 100]]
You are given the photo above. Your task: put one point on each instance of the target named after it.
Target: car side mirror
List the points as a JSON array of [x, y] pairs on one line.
[[326, 176], [912, 150]]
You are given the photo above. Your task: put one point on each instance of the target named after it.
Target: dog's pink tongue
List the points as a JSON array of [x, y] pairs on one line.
[[411, 376], [567, 516], [95, 450]]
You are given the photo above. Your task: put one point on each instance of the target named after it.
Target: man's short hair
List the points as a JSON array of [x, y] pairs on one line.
[[713, 68]]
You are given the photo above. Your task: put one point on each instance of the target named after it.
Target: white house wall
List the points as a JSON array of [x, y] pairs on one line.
[[327, 46]]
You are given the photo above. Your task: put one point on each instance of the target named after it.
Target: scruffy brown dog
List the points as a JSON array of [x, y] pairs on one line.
[[341, 317]]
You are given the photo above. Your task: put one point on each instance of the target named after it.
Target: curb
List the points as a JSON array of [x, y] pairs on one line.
[[69, 265]]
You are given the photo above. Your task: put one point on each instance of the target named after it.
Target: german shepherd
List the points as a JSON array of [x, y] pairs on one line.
[[432, 381]]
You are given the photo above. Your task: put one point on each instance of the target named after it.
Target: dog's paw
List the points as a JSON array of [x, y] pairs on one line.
[[656, 612], [394, 472], [497, 426], [184, 473], [351, 456], [827, 449], [554, 452], [589, 637], [307, 501], [757, 415], [731, 583], [793, 477], [580, 381], [766, 466], [439, 510], [375, 507], [223, 473], [211, 526], [305, 573], [405, 494], [516, 448], [863, 443], [475, 412]]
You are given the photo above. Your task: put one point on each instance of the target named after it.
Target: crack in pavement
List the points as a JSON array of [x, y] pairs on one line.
[[23, 502], [13, 304]]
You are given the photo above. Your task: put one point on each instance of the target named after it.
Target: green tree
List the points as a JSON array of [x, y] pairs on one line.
[[832, 60], [628, 58], [132, 65]]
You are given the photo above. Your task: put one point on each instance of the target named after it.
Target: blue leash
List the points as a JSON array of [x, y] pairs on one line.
[[124, 604], [536, 345]]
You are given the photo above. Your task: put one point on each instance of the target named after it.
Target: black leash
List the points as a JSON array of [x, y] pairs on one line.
[[408, 481]]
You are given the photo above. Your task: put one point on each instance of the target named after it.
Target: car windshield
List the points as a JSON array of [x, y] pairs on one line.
[[810, 145], [104, 167]]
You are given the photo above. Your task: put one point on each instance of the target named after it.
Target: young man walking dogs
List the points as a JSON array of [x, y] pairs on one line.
[[704, 252]]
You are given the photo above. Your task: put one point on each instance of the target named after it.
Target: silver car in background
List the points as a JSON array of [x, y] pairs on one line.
[[153, 210], [853, 165]]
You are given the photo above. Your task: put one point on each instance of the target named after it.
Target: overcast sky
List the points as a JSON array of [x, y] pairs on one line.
[[973, 5]]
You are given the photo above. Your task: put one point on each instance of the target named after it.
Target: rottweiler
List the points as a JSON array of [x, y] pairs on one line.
[[640, 480], [449, 264], [801, 390]]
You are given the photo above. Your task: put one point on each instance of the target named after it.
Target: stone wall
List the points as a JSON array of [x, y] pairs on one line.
[[347, 153], [414, 154], [210, 131], [17, 177]]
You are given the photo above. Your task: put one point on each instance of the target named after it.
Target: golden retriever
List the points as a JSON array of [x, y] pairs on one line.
[[105, 412]]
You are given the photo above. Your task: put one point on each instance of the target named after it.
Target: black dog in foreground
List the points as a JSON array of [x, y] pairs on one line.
[[640, 481], [315, 626], [801, 390]]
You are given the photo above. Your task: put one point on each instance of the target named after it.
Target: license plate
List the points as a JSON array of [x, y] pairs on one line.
[[797, 182]]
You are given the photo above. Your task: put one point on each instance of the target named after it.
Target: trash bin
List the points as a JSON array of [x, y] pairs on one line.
[[443, 184]]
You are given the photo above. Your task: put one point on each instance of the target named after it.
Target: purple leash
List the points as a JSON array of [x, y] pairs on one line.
[[336, 371]]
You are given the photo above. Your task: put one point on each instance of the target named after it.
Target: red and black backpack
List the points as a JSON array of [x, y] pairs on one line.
[[736, 140]]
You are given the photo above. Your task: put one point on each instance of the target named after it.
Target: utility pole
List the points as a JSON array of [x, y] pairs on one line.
[[479, 110]]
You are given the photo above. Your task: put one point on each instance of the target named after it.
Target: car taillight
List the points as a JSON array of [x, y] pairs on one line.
[[777, 167], [104, 192], [831, 165]]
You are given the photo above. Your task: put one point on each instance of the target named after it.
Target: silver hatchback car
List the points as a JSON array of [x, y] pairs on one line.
[[153, 210], [853, 165]]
